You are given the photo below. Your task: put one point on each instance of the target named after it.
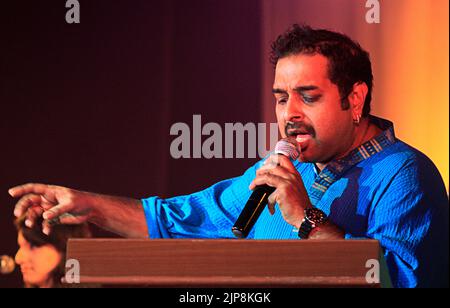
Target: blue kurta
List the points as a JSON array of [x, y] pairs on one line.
[[383, 190]]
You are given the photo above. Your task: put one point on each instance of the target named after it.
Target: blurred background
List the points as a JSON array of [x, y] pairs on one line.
[[90, 105]]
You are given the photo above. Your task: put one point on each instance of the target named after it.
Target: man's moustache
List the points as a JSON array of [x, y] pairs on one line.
[[295, 128]]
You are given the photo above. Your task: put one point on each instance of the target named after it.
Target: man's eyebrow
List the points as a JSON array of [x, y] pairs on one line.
[[306, 88], [298, 89], [278, 91]]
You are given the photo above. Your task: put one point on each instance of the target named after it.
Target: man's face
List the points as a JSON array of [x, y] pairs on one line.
[[308, 106]]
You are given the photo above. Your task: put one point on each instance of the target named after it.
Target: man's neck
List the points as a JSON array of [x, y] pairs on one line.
[[363, 133]]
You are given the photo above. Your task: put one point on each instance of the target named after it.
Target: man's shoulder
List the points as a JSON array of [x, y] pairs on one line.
[[407, 164], [408, 155]]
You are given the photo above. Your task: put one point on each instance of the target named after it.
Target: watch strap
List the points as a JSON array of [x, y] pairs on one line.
[[305, 229]]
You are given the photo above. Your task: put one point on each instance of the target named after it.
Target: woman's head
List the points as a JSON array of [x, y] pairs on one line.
[[41, 257]]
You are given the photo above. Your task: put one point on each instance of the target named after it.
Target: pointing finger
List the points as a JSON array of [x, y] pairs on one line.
[[33, 188], [26, 202]]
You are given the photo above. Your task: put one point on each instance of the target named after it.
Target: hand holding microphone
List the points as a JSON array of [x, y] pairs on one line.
[[271, 186]]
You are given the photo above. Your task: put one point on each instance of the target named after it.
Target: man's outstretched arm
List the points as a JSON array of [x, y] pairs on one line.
[[123, 216]]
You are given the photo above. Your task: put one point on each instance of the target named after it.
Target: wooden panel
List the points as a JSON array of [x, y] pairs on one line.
[[223, 262]]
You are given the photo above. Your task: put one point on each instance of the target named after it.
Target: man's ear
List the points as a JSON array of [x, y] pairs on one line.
[[357, 98]]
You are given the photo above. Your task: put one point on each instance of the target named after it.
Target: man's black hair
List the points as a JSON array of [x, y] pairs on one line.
[[348, 63]]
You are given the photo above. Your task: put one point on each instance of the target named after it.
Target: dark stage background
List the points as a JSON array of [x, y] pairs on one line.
[[90, 105]]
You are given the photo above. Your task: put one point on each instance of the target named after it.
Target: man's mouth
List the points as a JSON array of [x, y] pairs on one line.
[[296, 132], [301, 132], [301, 136], [303, 140]]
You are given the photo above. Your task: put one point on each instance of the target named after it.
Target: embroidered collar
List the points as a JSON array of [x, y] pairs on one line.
[[335, 169]]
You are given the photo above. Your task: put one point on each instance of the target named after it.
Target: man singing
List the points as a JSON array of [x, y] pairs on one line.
[[354, 178]]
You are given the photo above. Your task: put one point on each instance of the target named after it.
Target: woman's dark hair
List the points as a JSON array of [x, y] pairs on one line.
[[348, 63], [58, 238]]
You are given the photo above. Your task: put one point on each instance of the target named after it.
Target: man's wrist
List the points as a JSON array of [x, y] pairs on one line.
[[318, 229], [313, 218], [301, 217], [327, 231], [92, 204], [299, 222]]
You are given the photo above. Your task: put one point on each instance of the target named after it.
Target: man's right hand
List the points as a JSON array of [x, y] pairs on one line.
[[123, 216], [65, 205]]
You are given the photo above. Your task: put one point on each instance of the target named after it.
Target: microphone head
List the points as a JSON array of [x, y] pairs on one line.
[[7, 265], [288, 147]]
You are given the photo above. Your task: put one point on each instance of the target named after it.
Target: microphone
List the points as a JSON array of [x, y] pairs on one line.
[[7, 265], [260, 196]]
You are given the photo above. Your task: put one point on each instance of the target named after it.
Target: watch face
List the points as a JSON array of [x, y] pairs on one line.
[[316, 216]]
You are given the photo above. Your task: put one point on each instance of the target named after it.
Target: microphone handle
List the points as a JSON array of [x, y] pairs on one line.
[[252, 209]]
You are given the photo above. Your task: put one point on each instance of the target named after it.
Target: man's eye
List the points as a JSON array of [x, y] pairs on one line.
[[282, 101], [311, 99]]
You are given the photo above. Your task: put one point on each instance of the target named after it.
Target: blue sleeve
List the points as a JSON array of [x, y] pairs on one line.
[[206, 214], [410, 219]]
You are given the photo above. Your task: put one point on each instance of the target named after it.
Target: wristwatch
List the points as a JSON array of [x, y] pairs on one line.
[[313, 218]]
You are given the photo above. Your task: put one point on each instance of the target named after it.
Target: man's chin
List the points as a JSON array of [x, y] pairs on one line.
[[308, 156], [304, 158]]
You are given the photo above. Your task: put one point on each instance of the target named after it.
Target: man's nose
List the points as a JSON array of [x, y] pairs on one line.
[[293, 111]]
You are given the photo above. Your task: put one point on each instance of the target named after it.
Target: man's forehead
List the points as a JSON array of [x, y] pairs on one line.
[[300, 70]]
